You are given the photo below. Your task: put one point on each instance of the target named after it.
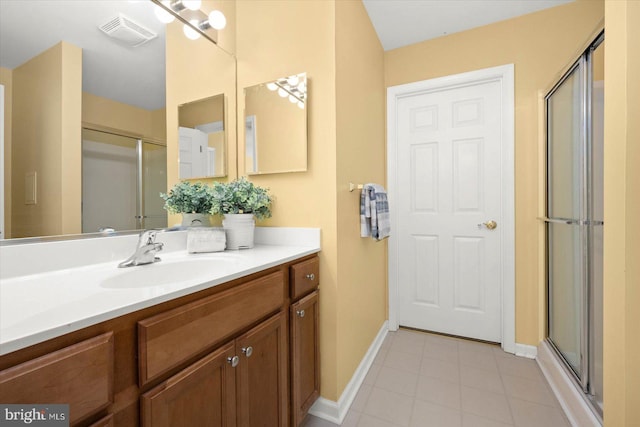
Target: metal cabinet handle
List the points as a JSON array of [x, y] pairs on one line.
[[247, 351], [233, 361], [300, 313], [310, 276]]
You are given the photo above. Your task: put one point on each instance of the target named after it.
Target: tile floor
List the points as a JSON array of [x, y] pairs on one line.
[[426, 380]]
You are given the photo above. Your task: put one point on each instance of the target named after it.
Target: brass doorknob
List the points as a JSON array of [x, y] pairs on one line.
[[491, 224]]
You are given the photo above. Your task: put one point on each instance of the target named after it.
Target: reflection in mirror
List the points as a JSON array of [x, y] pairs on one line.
[[276, 126], [103, 82], [202, 141]]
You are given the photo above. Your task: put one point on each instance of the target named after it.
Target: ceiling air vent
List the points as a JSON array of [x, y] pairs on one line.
[[127, 31]]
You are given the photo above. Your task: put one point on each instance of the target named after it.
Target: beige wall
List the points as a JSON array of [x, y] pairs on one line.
[[360, 154], [540, 45], [265, 52], [622, 211], [46, 96], [105, 114], [6, 79]]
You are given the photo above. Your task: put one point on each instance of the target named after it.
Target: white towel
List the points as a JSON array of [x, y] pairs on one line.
[[374, 212]]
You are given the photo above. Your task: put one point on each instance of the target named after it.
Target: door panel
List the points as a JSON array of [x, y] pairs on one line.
[[449, 176]]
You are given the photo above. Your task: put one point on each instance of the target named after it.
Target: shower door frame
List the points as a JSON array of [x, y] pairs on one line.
[[585, 222], [139, 144]]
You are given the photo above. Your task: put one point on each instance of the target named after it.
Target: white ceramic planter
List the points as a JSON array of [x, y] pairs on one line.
[[240, 230], [196, 220]]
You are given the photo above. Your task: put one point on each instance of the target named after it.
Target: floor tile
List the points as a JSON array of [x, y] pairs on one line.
[[432, 415], [528, 389], [519, 367], [389, 406], [441, 350], [404, 361], [351, 420], [360, 400], [371, 376], [483, 360], [441, 392], [408, 342], [396, 380], [481, 379], [528, 414], [472, 420], [440, 369], [369, 421], [486, 404]]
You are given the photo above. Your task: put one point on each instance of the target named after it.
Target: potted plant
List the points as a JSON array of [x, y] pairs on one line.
[[192, 200], [241, 202]]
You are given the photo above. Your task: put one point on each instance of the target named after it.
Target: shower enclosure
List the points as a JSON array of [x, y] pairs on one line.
[[574, 115], [122, 178]]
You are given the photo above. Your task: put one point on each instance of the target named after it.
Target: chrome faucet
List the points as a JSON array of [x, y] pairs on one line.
[[145, 251]]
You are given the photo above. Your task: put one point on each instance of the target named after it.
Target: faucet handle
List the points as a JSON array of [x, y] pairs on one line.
[[147, 237]]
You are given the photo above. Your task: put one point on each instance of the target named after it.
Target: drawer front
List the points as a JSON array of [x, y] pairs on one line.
[[80, 375], [305, 277], [173, 337], [104, 422]]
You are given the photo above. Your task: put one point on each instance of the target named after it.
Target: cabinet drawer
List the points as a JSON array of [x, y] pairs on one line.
[[171, 338], [80, 375], [305, 277], [104, 422]]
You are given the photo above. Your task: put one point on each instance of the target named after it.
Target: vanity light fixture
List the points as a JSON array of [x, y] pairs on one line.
[[196, 22]]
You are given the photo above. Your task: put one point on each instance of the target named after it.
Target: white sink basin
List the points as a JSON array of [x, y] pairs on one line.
[[169, 271]]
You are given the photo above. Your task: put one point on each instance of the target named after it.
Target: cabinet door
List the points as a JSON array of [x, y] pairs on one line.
[[305, 356], [262, 374], [201, 395]]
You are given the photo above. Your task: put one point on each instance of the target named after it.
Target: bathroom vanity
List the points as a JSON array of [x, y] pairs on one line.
[[234, 346]]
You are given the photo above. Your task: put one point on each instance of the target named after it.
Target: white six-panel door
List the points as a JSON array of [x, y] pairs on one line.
[[448, 189]]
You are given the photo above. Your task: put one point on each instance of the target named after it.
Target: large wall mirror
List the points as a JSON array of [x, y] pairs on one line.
[[104, 104], [275, 126]]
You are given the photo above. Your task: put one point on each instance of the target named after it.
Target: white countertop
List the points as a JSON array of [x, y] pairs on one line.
[[48, 304]]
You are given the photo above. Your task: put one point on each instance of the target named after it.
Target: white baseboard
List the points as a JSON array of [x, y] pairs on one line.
[[528, 351], [571, 399], [336, 411]]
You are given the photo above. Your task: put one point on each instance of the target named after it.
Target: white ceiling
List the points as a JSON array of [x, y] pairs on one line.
[[404, 22], [133, 75]]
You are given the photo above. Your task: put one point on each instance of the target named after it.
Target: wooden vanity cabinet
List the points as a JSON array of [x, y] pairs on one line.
[[237, 354], [304, 314]]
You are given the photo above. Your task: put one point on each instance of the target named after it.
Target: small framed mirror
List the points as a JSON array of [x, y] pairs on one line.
[[202, 138], [275, 126]]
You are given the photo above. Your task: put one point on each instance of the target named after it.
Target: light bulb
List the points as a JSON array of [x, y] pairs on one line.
[[302, 87], [301, 104], [192, 4], [283, 93], [217, 20], [293, 99], [272, 86], [189, 32], [293, 80], [162, 15]]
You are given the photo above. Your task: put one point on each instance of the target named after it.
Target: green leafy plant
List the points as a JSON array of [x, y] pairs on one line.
[[241, 196], [186, 197]]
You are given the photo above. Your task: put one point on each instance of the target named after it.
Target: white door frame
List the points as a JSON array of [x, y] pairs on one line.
[[503, 74]]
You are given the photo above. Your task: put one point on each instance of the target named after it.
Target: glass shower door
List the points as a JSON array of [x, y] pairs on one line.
[[565, 212], [575, 227]]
